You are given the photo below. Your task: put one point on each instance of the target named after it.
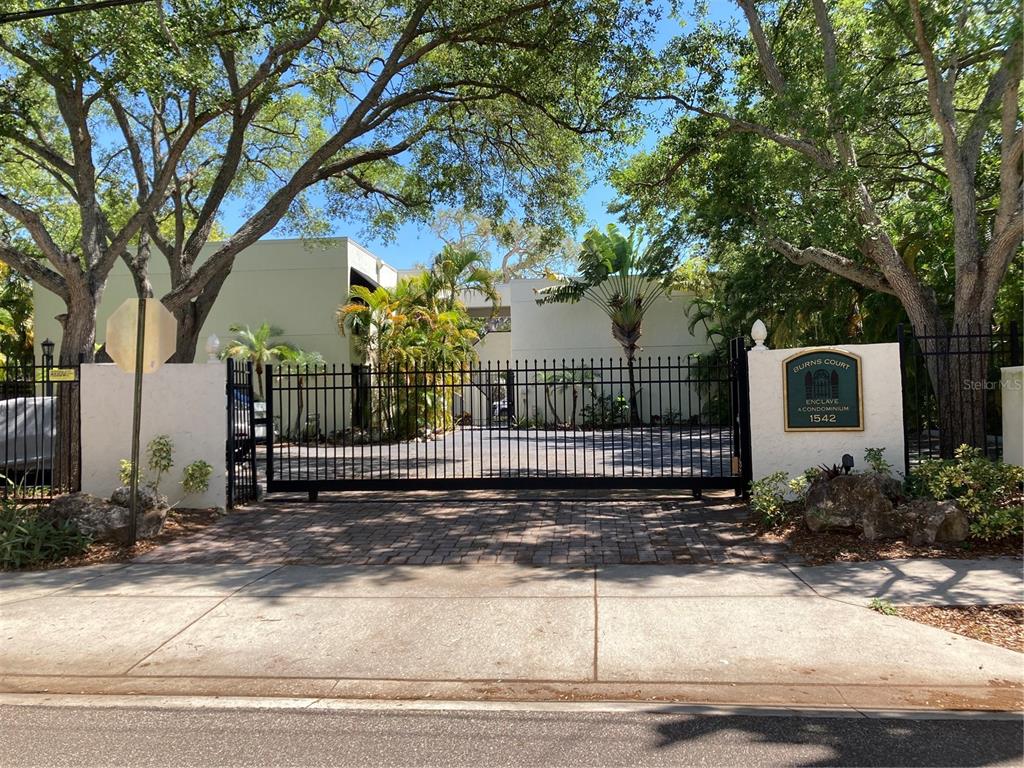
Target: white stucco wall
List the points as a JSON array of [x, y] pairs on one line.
[[186, 402], [294, 284], [582, 331], [1012, 393], [774, 449]]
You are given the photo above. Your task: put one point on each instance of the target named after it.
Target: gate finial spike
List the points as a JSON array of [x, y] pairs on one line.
[[759, 332]]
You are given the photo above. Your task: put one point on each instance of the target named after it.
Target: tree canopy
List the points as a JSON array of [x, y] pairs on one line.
[[126, 132], [873, 147]]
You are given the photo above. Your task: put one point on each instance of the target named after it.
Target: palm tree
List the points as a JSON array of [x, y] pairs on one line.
[[257, 347], [623, 276], [460, 269]]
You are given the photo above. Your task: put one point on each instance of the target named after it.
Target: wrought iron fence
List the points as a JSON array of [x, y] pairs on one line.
[[567, 423], [243, 434], [40, 452], [951, 389]]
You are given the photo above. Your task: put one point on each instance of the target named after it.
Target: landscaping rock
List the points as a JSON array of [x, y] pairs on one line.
[[842, 503], [102, 520], [148, 498], [925, 521]]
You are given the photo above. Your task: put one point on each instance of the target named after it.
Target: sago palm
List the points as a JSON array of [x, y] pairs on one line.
[[258, 347], [623, 276]]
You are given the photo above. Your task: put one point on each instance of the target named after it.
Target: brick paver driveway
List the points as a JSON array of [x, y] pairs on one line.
[[478, 528]]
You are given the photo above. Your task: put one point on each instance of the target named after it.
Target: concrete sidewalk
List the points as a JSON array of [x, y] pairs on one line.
[[762, 634]]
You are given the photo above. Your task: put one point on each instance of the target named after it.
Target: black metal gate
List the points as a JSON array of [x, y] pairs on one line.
[[242, 439], [40, 430], [658, 422]]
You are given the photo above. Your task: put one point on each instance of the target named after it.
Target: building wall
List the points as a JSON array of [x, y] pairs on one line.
[[293, 284], [774, 449], [582, 331], [186, 402]]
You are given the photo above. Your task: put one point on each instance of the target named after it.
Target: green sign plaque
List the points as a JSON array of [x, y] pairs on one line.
[[823, 391]]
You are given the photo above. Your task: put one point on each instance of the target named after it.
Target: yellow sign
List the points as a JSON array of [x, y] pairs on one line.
[[62, 374], [160, 335]]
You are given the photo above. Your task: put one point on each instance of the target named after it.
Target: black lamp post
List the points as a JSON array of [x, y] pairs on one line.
[[48, 346]]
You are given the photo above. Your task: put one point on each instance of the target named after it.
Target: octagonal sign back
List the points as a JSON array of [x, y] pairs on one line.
[[160, 336]]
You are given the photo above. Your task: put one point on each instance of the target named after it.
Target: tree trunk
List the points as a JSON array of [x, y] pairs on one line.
[[956, 362], [634, 409], [78, 338], [191, 317]]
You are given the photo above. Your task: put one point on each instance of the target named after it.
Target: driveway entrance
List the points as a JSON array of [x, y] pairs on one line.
[[470, 528]]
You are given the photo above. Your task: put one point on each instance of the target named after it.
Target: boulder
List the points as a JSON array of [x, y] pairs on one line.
[[102, 520], [926, 521], [841, 503], [148, 498]]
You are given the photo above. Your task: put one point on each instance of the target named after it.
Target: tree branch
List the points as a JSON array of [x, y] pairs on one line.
[[833, 262], [764, 51]]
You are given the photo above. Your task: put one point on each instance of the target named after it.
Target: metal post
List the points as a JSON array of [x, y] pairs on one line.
[[268, 372], [140, 340], [902, 341], [1014, 343], [229, 386], [510, 396], [47, 365]]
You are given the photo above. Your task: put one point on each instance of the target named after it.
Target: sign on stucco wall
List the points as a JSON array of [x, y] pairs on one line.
[[822, 390]]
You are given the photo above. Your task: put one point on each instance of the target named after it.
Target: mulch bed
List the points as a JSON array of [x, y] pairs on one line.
[[179, 523], [996, 624], [823, 548]]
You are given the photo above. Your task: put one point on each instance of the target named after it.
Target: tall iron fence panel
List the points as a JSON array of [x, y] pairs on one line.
[[243, 434], [40, 431], [951, 389], [566, 423]]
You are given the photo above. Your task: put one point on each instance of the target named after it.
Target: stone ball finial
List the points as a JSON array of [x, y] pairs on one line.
[[213, 349], [759, 332]]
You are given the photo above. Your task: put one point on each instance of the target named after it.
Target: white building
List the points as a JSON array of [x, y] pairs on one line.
[[298, 286]]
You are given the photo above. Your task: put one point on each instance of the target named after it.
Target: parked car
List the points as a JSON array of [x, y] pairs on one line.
[[26, 438]]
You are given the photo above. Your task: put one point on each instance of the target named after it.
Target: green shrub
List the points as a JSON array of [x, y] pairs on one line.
[[875, 459], [27, 540], [160, 452], [196, 477], [124, 471], [997, 524], [800, 484], [767, 497], [883, 606], [989, 492]]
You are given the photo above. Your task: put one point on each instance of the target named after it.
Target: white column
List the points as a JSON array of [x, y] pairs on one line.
[[1011, 385]]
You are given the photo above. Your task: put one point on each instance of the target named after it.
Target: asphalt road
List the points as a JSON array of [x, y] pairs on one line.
[[136, 736]]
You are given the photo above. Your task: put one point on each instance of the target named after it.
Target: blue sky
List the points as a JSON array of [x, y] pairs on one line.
[[415, 243]]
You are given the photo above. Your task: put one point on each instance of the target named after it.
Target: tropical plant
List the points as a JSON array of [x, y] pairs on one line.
[[623, 276], [457, 270], [28, 539], [302, 363], [258, 347], [571, 380], [15, 318], [418, 339]]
